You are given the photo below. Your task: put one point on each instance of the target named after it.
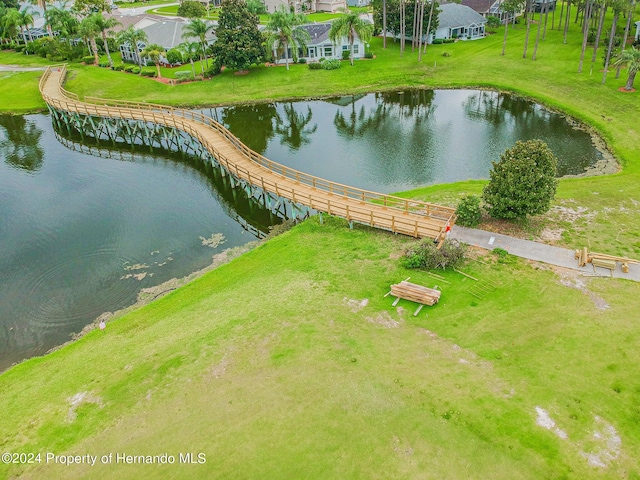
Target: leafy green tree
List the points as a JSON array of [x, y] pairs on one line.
[[282, 33], [10, 23], [239, 43], [87, 7], [191, 51], [105, 26], [256, 6], [199, 29], [155, 52], [9, 4], [191, 9], [349, 25], [43, 5], [523, 182], [132, 37], [62, 21], [629, 58], [469, 212]]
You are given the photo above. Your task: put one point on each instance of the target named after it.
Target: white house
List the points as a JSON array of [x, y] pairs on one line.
[[638, 31], [459, 21], [320, 46]]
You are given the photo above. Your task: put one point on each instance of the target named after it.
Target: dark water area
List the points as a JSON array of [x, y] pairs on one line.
[[84, 226], [81, 232], [389, 142]]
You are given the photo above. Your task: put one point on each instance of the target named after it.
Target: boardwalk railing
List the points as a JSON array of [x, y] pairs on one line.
[[410, 217]]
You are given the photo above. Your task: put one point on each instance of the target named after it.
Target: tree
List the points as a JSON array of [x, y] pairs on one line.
[[523, 182], [191, 51], [43, 5], [26, 21], [62, 21], [199, 29], [257, 7], [618, 6], [629, 58], [349, 25], [89, 30], [11, 23], [239, 43], [133, 37], [282, 33], [191, 9], [155, 52], [105, 25], [509, 7], [87, 7]]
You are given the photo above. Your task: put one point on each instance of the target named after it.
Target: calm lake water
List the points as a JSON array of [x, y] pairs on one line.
[[83, 227]]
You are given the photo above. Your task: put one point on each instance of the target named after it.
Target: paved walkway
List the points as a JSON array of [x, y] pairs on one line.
[[16, 68], [540, 252]]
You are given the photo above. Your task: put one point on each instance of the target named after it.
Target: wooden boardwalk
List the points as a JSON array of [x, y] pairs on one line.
[[409, 217]]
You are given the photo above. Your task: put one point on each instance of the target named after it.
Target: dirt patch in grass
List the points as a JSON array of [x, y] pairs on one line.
[[573, 279], [77, 400], [384, 319]]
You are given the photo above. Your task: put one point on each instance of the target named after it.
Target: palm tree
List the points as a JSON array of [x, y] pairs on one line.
[[350, 25], [629, 58], [11, 23], [89, 30], [282, 33], [26, 21], [192, 50], [62, 21], [43, 5], [105, 25], [133, 37], [155, 52], [199, 29]]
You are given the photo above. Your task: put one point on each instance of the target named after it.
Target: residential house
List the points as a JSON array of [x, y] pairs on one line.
[[543, 5], [459, 21], [160, 30], [492, 8], [320, 46]]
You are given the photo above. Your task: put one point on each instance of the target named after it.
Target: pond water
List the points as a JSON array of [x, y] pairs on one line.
[[83, 227]]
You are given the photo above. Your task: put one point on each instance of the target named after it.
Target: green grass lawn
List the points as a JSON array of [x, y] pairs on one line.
[[172, 10], [275, 366]]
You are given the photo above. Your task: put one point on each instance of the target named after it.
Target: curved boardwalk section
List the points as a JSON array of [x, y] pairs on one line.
[[408, 217]]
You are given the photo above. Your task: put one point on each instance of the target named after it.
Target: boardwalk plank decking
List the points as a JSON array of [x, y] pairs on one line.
[[409, 217]]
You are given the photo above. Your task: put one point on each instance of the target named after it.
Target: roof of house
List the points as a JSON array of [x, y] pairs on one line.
[[453, 15], [319, 32], [480, 6]]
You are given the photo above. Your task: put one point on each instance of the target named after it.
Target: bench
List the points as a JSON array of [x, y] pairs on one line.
[[603, 263]]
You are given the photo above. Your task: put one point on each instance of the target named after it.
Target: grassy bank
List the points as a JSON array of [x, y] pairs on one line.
[[286, 364]]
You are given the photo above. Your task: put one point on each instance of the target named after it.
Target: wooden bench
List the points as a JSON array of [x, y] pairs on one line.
[[604, 263]]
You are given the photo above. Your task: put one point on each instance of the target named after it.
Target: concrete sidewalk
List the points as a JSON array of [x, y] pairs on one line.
[[561, 257]]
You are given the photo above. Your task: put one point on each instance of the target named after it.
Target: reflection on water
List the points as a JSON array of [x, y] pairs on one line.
[[20, 143], [97, 223], [395, 141]]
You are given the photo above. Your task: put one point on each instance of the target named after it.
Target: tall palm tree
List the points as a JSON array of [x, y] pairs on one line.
[[89, 30], [629, 58], [199, 29], [26, 20], [133, 37], [155, 52], [282, 33], [349, 25], [11, 23], [105, 25], [192, 50], [62, 21]]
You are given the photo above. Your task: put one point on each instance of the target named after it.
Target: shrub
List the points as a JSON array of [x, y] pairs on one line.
[[322, 59], [368, 55], [104, 64], [191, 9], [523, 182], [346, 54], [214, 69], [446, 54], [302, 60], [493, 22], [437, 41], [426, 255], [449, 40], [129, 68], [174, 56], [88, 59], [257, 7], [468, 211], [118, 67], [183, 75], [331, 64], [146, 72], [315, 66], [135, 69]]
